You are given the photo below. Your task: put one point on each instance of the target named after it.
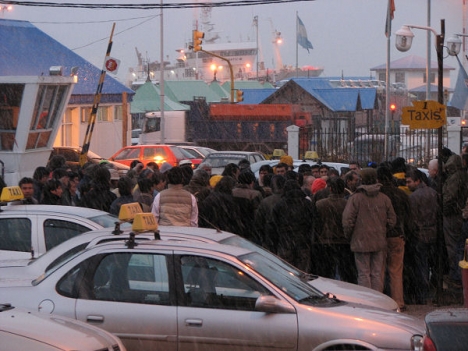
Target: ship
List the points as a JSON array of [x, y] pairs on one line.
[[243, 57]]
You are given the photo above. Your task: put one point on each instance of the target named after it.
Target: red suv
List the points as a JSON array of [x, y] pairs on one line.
[[147, 153]]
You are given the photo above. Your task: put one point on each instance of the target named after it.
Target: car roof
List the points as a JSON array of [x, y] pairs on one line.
[[52, 209], [240, 153], [179, 245]]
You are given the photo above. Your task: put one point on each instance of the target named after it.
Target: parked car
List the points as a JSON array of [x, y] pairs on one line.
[[219, 159], [148, 153], [197, 151], [168, 295], [72, 155], [22, 329], [446, 330], [195, 160], [30, 230], [48, 262], [136, 136]]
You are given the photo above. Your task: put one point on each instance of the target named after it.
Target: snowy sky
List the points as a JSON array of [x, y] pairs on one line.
[[347, 35]]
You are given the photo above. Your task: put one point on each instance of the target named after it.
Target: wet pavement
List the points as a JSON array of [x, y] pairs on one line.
[[448, 298]]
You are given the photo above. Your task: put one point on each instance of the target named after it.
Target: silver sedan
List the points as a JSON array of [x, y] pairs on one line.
[[182, 295]]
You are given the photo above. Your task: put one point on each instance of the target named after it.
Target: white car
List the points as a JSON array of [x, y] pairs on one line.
[[186, 295], [22, 329], [10, 269], [28, 231], [219, 159]]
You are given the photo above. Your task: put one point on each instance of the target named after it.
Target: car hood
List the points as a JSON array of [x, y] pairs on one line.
[[354, 293], [346, 321]]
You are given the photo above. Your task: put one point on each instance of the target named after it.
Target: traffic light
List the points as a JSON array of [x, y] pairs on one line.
[[197, 40], [392, 108], [240, 95], [463, 123]]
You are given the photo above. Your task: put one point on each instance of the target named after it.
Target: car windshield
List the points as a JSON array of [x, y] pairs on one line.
[[289, 283], [108, 221], [246, 244], [187, 154]]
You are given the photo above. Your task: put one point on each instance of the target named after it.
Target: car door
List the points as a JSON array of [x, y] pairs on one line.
[[128, 294], [19, 236], [217, 310]]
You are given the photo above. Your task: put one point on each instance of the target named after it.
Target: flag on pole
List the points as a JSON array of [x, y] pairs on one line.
[[301, 35], [460, 94], [390, 14]]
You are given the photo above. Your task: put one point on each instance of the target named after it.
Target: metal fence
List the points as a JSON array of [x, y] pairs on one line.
[[418, 147]]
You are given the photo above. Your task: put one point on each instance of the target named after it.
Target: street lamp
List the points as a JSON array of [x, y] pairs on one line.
[[403, 41]]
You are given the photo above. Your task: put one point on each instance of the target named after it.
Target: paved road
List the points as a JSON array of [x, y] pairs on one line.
[[450, 298]]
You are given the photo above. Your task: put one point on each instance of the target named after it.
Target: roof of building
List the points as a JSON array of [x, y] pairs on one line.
[[256, 96], [147, 98], [411, 62], [188, 90], [434, 89], [27, 51]]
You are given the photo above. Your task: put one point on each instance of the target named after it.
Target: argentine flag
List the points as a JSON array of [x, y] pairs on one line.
[[301, 34]]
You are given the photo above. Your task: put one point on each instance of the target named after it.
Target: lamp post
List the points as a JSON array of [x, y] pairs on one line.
[[404, 38]]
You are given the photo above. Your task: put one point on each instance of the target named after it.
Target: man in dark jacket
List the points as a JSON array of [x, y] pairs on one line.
[[292, 219], [396, 235], [332, 250], [425, 212], [455, 192]]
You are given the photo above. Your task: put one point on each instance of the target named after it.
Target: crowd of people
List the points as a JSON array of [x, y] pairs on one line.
[[375, 226]]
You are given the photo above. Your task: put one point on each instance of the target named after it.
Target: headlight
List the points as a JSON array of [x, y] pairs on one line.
[[417, 343]]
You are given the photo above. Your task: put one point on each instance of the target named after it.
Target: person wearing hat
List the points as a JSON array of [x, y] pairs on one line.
[[366, 218], [288, 160]]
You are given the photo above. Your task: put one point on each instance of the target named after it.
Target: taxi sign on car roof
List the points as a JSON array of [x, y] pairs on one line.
[[144, 222], [128, 211], [11, 193]]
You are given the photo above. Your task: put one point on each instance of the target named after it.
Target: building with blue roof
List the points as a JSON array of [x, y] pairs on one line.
[[28, 51]]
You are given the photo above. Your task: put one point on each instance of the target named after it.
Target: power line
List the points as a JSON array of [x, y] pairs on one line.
[[91, 22], [151, 6]]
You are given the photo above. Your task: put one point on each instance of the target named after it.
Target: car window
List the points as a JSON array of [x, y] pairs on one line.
[[192, 152], [153, 152], [108, 221], [15, 234], [122, 277], [57, 231], [127, 154], [210, 283], [177, 153]]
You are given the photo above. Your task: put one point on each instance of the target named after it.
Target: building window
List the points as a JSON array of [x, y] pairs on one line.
[[399, 77], [67, 125], [431, 75], [104, 114], [85, 114], [118, 113], [383, 76]]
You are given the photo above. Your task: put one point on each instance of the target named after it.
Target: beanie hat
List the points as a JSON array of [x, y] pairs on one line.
[[215, 179], [165, 167], [368, 176], [318, 184], [286, 159]]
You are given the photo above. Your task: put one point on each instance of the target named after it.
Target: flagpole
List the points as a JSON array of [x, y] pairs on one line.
[[297, 44], [387, 81]]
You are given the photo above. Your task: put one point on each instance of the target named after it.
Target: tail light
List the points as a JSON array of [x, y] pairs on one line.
[[428, 344]]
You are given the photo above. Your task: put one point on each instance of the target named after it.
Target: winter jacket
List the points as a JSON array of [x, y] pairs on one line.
[[455, 188], [402, 208], [425, 209], [328, 228], [367, 217], [175, 206]]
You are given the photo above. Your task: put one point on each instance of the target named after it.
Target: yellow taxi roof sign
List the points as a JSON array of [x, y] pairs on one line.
[[311, 155], [128, 211], [144, 222], [11, 193], [278, 152]]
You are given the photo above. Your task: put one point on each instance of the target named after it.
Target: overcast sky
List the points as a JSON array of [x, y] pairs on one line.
[[347, 35]]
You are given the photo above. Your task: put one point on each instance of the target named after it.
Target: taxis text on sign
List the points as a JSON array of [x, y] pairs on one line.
[[427, 114]]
